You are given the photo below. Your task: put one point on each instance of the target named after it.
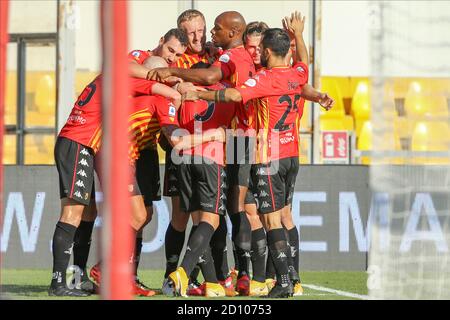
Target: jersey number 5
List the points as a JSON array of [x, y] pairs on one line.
[[281, 126]]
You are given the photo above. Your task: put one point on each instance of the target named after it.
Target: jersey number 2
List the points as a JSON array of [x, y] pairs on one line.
[[281, 126]]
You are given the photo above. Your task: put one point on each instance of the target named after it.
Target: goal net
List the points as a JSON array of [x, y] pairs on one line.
[[409, 254]]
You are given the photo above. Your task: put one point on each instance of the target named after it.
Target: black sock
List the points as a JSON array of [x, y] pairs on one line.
[[278, 248], [137, 254], [195, 272], [206, 264], [295, 248], [270, 268], [241, 236], [258, 254], [290, 261], [219, 250], [82, 244], [62, 250], [173, 245], [197, 245]]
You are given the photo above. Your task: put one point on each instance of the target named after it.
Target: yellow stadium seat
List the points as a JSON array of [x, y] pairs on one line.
[[389, 141], [11, 98], [9, 149], [401, 87], [361, 101], [426, 105], [331, 87], [355, 82], [82, 79], [344, 123], [45, 103], [431, 136], [39, 149], [305, 124]]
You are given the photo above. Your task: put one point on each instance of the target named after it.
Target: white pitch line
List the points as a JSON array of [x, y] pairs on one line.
[[338, 292]]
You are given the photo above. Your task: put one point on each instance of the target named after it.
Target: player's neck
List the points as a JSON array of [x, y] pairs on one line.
[[276, 62], [233, 44]]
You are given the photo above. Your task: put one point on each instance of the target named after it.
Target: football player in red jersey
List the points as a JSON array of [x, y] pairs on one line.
[[274, 92], [232, 68]]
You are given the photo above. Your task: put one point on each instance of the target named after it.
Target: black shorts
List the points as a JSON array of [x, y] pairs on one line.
[[274, 184], [202, 187], [75, 165], [171, 188], [240, 155], [147, 176], [249, 196]]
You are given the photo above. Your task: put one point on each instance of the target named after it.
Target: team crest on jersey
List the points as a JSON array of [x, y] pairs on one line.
[[136, 54], [300, 69], [250, 82], [225, 58]]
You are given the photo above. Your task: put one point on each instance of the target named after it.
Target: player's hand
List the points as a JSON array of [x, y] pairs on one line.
[[172, 80], [220, 135], [295, 24], [188, 86], [191, 96], [159, 74], [212, 51], [326, 101]]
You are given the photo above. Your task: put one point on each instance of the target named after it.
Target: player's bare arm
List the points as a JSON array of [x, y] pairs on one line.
[[311, 94], [208, 76], [295, 25], [224, 96], [188, 141]]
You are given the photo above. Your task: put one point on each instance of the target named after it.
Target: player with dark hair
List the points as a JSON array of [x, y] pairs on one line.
[[232, 68], [274, 92]]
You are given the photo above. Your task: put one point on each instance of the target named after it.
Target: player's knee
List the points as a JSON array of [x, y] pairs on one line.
[[241, 233]]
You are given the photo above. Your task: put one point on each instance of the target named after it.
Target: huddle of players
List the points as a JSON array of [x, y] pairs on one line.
[[221, 89]]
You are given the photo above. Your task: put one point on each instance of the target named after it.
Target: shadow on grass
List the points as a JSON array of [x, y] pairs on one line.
[[24, 290]]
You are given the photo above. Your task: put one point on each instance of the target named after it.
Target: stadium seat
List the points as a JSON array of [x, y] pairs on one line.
[[82, 79], [422, 106], [389, 141], [45, 103], [39, 149], [344, 123], [431, 136], [9, 149], [11, 98], [330, 86]]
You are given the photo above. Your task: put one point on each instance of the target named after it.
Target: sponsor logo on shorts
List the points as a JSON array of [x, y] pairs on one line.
[[265, 204], [263, 193], [80, 184], [84, 151], [282, 255], [261, 183], [83, 162], [82, 173], [78, 194]]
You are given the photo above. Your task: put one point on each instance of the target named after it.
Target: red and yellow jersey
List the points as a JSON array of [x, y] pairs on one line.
[[237, 66], [275, 94], [149, 114], [186, 61], [84, 124], [199, 116], [139, 55]]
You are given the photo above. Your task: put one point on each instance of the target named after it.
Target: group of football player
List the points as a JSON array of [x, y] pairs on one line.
[[227, 114]]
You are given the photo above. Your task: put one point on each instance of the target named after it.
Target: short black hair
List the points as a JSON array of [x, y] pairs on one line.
[[277, 40], [201, 65], [179, 34]]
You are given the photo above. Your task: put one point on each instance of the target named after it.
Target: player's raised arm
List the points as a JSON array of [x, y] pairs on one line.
[[295, 26]]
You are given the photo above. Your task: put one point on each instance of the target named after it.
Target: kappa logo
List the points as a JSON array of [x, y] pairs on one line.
[[265, 204], [223, 185], [300, 69], [80, 184], [222, 207], [223, 196], [201, 260], [246, 254], [84, 152], [69, 251], [188, 248], [83, 162], [261, 172], [282, 255], [206, 205], [261, 183], [82, 173], [222, 174], [78, 195], [263, 193]]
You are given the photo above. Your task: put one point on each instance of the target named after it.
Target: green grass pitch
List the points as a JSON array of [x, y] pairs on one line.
[[33, 284]]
